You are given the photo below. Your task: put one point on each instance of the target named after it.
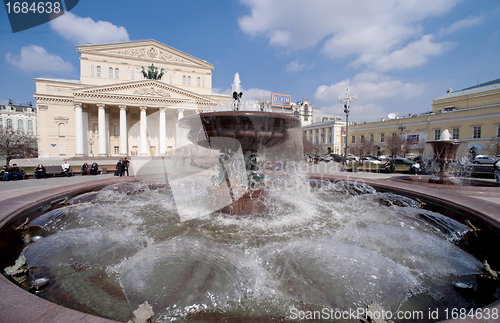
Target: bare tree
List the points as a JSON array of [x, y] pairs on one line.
[[396, 145], [367, 147], [308, 145], [13, 143]]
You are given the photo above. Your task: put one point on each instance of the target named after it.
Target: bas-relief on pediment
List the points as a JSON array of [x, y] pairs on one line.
[[150, 52], [148, 89]]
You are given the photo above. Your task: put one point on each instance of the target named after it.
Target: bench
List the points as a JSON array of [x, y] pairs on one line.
[[56, 170]]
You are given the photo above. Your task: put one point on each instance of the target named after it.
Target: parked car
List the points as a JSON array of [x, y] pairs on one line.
[[325, 157], [371, 160], [485, 159], [402, 161]]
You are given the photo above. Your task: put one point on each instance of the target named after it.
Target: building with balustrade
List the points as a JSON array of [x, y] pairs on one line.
[[18, 117], [112, 110]]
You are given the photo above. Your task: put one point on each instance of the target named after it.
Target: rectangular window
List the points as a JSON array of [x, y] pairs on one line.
[[382, 137], [116, 150], [437, 134], [456, 133], [353, 139], [116, 131], [371, 138], [393, 134], [476, 133], [362, 138]]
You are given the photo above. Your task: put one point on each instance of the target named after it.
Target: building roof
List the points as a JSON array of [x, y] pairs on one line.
[[483, 87]]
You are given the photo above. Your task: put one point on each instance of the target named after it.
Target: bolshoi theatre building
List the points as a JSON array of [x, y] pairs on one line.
[[113, 110]]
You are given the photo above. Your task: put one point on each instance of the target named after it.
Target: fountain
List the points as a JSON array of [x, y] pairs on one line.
[[445, 152], [195, 247]]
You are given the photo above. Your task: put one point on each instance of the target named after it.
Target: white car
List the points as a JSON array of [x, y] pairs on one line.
[[485, 159]]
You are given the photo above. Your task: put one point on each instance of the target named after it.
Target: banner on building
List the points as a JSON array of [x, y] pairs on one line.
[[281, 100], [342, 130]]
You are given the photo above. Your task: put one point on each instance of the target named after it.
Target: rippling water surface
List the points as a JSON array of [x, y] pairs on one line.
[[337, 247]]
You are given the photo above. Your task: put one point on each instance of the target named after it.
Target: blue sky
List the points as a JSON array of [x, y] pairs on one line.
[[397, 56]]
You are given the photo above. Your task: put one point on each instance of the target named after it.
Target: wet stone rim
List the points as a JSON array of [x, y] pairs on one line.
[[22, 306]]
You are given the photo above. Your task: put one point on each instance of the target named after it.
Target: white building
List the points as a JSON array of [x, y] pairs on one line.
[[112, 110], [18, 117]]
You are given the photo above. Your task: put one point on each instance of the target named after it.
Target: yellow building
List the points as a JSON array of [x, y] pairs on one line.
[[471, 114]]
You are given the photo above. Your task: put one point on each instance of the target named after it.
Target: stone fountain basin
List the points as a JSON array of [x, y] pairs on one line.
[[22, 306], [254, 130]]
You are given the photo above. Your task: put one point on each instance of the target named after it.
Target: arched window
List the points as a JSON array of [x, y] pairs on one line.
[[98, 71], [184, 80], [198, 82], [117, 73], [20, 124], [132, 74], [170, 78], [9, 123], [30, 124], [116, 131], [189, 80], [110, 73], [91, 70]]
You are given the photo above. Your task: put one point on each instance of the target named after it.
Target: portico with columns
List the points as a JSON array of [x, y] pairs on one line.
[[122, 114]]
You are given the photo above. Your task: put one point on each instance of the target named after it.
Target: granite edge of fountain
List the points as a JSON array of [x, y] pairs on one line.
[[22, 306]]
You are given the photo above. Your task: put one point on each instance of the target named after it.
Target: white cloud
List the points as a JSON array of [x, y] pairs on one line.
[[295, 66], [368, 29], [251, 94], [369, 87], [85, 30], [460, 24], [36, 59], [414, 54]]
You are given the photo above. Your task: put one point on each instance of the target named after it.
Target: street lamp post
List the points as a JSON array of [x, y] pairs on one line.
[[91, 142], [348, 97]]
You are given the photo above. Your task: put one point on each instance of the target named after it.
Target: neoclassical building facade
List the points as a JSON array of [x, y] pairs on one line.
[[112, 110]]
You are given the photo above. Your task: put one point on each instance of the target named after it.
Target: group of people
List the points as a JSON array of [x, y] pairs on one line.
[[90, 170], [122, 167], [13, 173]]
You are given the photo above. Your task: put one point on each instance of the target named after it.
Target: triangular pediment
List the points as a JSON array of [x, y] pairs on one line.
[[149, 50], [145, 89]]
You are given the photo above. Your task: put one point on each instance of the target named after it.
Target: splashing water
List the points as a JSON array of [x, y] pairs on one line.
[[334, 246]]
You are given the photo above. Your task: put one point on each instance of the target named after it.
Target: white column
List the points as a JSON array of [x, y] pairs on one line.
[[143, 133], [78, 129], [313, 137], [85, 111], [123, 130], [307, 134], [163, 133], [106, 115], [180, 114], [101, 119]]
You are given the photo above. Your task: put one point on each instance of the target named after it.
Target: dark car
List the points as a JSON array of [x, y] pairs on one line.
[[402, 161]]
